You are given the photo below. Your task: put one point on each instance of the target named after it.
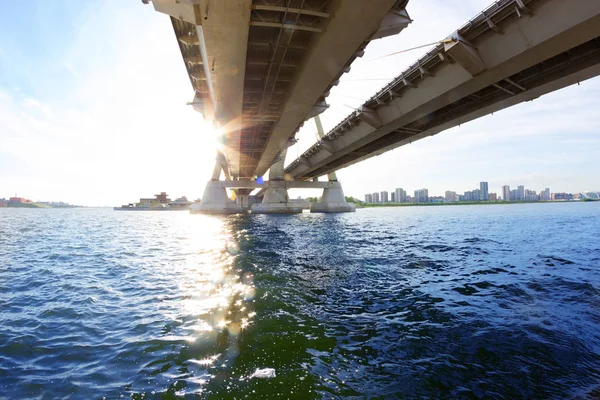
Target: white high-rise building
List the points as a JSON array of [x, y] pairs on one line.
[[421, 196], [545, 194], [384, 196], [484, 192], [400, 195], [521, 192], [375, 197], [506, 193], [450, 195]]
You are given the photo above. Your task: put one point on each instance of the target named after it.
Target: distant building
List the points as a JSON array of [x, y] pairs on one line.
[[3, 204], [562, 196], [384, 197], [436, 199], [514, 195], [393, 197], [161, 199], [531, 195], [492, 197], [400, 195], [368, 198], [520, 192], [19, 200], [421, 196], [375, 197], [450, 196], [506, 193], [545, 195], [484, 193]]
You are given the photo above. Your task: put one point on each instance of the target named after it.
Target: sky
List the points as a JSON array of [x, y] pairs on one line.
[[93, 111]]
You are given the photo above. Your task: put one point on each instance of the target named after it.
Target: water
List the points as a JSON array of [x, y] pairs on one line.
[[442, 302]]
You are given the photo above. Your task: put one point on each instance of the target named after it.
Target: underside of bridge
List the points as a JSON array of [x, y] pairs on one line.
[[261, 68], [515, 51]]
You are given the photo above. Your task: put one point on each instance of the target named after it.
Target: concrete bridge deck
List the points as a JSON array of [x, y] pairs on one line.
[[260, 69], [514, 51]]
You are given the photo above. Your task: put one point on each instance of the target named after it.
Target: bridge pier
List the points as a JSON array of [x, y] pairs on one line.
[[215, 200], [276, 199], [332, 200]]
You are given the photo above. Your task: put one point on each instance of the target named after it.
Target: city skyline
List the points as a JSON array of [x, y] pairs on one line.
[[401, 195]]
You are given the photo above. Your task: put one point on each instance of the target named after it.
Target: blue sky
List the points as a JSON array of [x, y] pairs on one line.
[[93, 111]]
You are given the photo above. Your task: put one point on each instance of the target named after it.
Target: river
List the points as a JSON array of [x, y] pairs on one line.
[[498, 301]]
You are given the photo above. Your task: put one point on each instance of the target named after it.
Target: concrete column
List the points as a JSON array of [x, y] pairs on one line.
[[276, 199], [241, 198], [215, 200], [333, 199]]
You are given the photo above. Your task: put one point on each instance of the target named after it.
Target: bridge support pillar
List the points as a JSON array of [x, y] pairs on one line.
[[332, 201], [276, 199], [215, 200]]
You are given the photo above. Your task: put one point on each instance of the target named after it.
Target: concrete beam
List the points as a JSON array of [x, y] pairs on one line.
[[225, 27], [327, 146], [369, 116], [262, 7], [529, 95], [181, 11], [393, 23], [243, 184], [286, 26], [465, 54], [317, 109]]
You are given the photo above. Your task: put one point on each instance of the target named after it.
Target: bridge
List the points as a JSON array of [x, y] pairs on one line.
[[512, 52], [260, 69]]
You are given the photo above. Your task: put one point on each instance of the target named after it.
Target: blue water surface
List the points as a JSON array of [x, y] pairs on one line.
[[488, 301]]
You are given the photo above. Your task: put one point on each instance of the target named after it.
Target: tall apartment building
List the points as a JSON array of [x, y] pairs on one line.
[[484, 192], [368, 198], [514, 195], [450, 195], [384, 197], [545, 194], [375, 197], [521, 192], [400, 195], [421, 196], [393, 195], [506, 193]]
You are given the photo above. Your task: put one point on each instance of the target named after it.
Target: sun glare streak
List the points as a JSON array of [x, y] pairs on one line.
[[216, 295]]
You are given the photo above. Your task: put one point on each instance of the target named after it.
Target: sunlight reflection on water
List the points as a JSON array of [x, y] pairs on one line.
[[215, 293]]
